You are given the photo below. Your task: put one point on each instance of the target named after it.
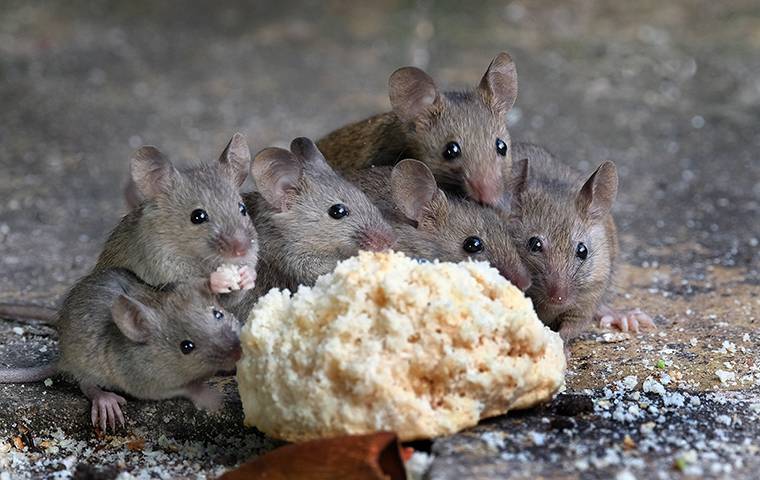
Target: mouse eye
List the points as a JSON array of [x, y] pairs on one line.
[[501, 147], [199, 216], [452, 151], [581, 251], [243, 210], [187, 346], [473, 245], [338, 211], [535, 244], [217, 314]]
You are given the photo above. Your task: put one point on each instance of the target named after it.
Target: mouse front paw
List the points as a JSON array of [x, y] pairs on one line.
[[247, 278], [106, 409], [221, 281], [205, 398], [624, 320]]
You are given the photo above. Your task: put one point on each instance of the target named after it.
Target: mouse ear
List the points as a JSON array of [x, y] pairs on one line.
[[277, 174], [412, 92], [152, 172], [236, 159], [305, 149], [498, 87], [416, 193], [518, 184], [134, 319], [595, 198], [132, 195]]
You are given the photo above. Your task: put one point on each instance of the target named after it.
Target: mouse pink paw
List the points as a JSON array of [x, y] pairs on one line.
[[220, 282], [247, 278], [106, 409], [625, 320], [205, 398]]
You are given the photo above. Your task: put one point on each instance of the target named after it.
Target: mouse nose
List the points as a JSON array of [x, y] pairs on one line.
[[486, 190], [557, 294], [236, 352], [236, 245], [376, 239]]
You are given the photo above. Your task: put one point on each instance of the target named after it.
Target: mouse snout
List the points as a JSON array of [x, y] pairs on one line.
[[486, 189], [234, 245], [557, 293], [231, 349], [376, 239]]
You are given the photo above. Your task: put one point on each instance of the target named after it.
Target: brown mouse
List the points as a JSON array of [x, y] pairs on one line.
[[118, 333], [188, 223], [432, 225], [461, 136], [308, 218], [566, 236]]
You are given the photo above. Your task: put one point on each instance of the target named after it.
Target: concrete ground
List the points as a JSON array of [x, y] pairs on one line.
[[669, 90]]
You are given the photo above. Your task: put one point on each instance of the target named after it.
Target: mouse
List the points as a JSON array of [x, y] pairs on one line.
[[462, 136], [116, 333], [431, 225], [565, 233], [308, 217], [189, 223]]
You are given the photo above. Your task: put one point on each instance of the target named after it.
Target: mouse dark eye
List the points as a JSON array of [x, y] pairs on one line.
[[338, 211], [243, 210], [581, 251], [535, 244], [199, 216], [473, 245], [452, 151], [217, 314], [187, 346], [501, 147]]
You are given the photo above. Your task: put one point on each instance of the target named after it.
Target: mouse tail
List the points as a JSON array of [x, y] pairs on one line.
[[27, 375], [25, 313]]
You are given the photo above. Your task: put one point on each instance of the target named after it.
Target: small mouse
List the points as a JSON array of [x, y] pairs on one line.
[[567, 238], [118, 333], [308, 218], [461, 136], [432, 225], [189, 223]]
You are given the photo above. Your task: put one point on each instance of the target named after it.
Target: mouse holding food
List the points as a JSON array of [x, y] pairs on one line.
[[117, 333], [432, 225], [566, 236], [189, 223], [308, 217], [461, 136]]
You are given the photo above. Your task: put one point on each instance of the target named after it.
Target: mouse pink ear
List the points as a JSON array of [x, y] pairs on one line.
[[416, 194], [498, 87], [518, 184], [134, 319], [412, 92], [152, 172], [596, 196], [305, 149], [236, 159], [277, 174]]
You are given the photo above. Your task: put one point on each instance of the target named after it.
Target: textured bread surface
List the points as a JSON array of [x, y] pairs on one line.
[[388, 343]]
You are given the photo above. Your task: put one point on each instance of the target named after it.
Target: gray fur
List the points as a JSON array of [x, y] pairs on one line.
[[444, 222], [545, 204], [95, 352], [424, 120], [299, 240], [157, 239]]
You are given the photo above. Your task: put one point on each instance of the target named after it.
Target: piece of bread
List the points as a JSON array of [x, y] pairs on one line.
[[388, 343]]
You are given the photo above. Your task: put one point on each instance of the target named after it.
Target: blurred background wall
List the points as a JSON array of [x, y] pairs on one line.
[[669, 90]]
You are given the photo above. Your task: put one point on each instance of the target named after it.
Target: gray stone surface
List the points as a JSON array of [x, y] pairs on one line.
[[669, 90]]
